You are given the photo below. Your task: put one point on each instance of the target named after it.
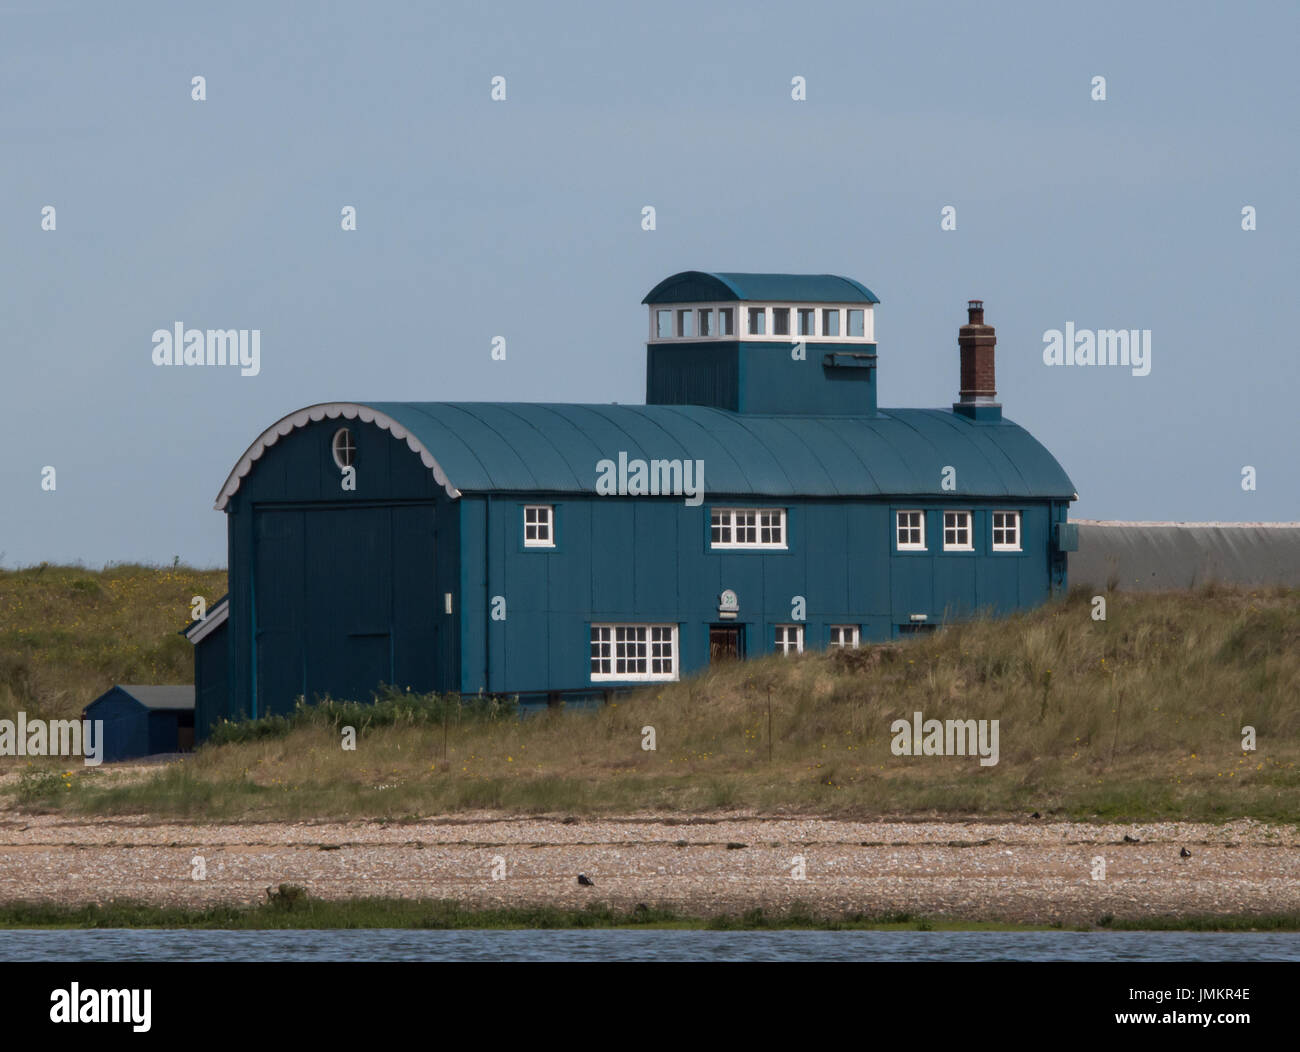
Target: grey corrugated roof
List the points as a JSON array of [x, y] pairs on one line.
[[1161, 555], [165, 697]]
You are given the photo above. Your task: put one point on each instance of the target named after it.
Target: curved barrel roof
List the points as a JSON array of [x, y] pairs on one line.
[[697, 286], [521, 447]]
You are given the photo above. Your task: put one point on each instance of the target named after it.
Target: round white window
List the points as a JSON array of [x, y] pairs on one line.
[[345, 449]]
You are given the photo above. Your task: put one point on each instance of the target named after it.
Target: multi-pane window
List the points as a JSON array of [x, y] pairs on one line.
[[757, 321], [956, 531], [539, 520], [1006, 531], [706, 323], [633, 652], [789, 639], [807, 321], [844, 636], [726, 322], [685, 323], [747, 528], [911, 530], [831, 322], [780, 321]]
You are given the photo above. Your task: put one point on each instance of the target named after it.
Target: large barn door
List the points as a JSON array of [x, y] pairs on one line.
[[350, 601]]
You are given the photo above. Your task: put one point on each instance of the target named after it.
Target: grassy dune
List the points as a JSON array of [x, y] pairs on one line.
[[1138, 717], [67, 634]]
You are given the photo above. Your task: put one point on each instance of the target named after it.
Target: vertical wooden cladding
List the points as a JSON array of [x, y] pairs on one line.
[[649, 560], [345, 600], [334, 591]]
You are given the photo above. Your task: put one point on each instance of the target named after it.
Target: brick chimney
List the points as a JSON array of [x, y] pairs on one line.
[[979, 396]]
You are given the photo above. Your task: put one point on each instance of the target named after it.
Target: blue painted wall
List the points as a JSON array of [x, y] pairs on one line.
[[648, 560], [334, 591], [211, 678], [753, 376]]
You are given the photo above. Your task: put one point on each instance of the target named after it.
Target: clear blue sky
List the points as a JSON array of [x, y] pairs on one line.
[[522, 219]]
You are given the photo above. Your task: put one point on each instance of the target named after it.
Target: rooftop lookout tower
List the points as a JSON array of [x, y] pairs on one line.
[[762, 343]]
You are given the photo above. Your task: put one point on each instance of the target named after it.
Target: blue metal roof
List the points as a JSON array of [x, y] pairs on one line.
[[553, 448], [697, 286]]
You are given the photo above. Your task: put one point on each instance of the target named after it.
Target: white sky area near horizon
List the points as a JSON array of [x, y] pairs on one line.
[[522, 219]]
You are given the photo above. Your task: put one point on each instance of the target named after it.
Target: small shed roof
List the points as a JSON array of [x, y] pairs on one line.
[[526, 447], [179, 697], [698, 286]]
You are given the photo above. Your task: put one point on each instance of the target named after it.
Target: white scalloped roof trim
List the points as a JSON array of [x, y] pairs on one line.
[[314, 414]]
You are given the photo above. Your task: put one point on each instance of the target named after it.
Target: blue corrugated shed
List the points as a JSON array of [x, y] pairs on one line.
[[144, 720]]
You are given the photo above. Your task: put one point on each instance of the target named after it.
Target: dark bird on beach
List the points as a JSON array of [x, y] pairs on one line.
[[1131, 839], [585, 881], [1035, 815], [1184, 853]]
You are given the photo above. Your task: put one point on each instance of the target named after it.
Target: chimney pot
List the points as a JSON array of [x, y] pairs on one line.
[[975, 310]]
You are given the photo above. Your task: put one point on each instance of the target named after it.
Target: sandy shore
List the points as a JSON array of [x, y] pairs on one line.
[[1035, 872]]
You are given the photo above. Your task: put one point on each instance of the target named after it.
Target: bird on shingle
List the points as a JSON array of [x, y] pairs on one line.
[[586, 881]]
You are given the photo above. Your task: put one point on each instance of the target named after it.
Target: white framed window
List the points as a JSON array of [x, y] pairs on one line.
[[752, 321], [344, 448], [789, 639], [747, 528], [623, 652], [1006, 531], [539, 526], [957, 531], [911, 531], [844, 636]]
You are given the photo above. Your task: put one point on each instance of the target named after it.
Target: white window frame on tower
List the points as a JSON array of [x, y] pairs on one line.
[[740, 322]]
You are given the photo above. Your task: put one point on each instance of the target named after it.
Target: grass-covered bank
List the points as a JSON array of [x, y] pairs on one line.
[[1136, 718], [292, 911], [68, 633]]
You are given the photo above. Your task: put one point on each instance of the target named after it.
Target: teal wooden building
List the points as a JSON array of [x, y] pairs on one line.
[[759, 502]]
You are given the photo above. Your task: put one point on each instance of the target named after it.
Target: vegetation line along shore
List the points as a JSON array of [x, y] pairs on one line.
[[288, 907]]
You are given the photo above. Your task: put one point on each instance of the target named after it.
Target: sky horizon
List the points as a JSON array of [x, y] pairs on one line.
[[522, 218]]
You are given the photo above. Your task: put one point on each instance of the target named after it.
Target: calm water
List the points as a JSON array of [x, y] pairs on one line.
[[390, 945]]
